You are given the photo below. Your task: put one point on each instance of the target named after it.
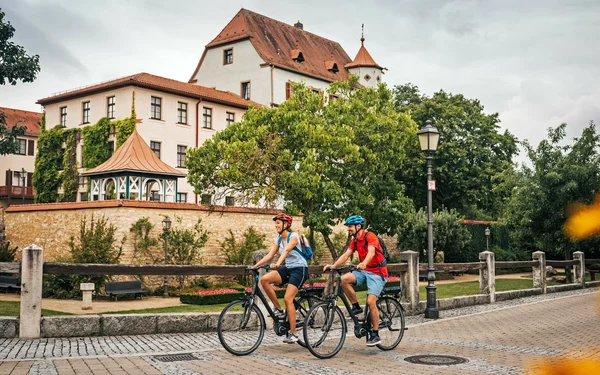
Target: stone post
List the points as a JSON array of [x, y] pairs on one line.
[[410, 279], [579, 268], [256, 256], [539, 271], [31, 292], [86, 290], [487, 275]]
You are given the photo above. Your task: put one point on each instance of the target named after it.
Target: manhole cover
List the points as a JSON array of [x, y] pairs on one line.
[[436, 360], [175, 357]]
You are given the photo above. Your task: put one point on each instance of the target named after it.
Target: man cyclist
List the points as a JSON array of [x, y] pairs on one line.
[[372, 270], [294, 273]]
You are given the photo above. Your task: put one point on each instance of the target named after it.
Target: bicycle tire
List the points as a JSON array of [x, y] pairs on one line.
[[238, 324], [391, 323], [305, 304], [322, 318]]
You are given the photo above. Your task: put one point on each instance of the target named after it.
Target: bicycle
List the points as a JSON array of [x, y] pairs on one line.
[[241, 325], [325, 326]]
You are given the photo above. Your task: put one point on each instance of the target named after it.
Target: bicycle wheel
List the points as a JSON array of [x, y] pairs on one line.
[[303, 305], [391, 323], [241, 327], [324, 330]]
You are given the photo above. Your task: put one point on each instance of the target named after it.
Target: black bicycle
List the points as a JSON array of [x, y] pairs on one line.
[[325, 328], [241, 325]]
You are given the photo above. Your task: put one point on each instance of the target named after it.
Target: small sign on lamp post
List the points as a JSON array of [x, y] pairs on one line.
[[431, 185]]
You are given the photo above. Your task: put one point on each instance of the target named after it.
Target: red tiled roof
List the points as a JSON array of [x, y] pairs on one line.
[[274, 41], [154, 82], [25, 118], [137, 204], [134, 155], [363, 58]]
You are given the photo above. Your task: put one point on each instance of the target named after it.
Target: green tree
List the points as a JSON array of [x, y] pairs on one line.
[[325, 161], [15, 65], [449, 235], [557, 175], [472, 153]]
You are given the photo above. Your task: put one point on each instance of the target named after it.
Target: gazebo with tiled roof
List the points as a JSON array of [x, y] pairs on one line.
[[134, 171]]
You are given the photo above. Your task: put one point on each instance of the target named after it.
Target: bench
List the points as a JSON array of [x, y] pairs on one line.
[[9, 282], [423, 274], [124, 287]]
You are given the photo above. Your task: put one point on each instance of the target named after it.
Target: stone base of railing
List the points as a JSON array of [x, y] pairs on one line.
[[145, 324]]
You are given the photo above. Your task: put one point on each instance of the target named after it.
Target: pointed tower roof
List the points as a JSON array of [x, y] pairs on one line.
[[134, 156], [363, 57]]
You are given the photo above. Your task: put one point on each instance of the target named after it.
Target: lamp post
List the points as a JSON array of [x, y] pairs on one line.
[[428, 139], [23, 175], [166, 226], [487, 236]]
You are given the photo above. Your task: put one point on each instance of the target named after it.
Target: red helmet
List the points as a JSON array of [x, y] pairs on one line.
[[283, 217]]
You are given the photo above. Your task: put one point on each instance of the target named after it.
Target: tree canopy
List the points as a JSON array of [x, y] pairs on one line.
[[472, 152], [324, 160]]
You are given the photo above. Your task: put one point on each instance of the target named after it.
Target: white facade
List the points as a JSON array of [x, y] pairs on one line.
[[368, 76], [166, 131], [12, 165]]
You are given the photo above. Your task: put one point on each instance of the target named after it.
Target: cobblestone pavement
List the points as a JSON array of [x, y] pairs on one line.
[[503, 338]]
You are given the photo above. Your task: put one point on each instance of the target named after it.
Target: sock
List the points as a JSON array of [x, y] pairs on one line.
[[356, 305], [376, 332]]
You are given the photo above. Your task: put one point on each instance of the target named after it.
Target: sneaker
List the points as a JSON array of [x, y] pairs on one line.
[[279, 313], [290, 338], [374, 340], [356, 311]]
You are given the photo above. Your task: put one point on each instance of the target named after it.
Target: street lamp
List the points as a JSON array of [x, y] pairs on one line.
[[428, 139], [487, 236], [23, 175], [166, 226]]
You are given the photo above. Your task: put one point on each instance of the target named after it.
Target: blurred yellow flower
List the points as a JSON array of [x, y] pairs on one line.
[[565, 366], [583, 221]]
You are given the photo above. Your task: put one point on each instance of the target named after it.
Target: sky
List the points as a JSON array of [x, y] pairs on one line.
[[536, 63]]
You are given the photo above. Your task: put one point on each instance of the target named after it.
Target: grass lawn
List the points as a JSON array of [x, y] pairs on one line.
[[11, 308]]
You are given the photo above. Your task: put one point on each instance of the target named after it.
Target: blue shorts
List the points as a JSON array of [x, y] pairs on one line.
[[375, 282]]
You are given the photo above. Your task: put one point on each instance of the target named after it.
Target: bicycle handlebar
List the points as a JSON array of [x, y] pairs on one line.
[[341, 269], [263, 267]]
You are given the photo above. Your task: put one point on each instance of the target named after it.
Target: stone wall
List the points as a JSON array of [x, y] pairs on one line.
[[50, 226]]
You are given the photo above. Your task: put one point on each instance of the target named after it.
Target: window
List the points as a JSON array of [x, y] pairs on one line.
[[155, 108], [110, 107], [30, 147], [63, 116], [181, 156], [182, 113], [246, 90], [207, 118], [22, 150], [19, 179], [83, 197], [205, 199], [333, 97], [228, 56], [155, 146], [230, 118], [86, 113], [181, 197], [154, 196], [111, 148], [229, 201]]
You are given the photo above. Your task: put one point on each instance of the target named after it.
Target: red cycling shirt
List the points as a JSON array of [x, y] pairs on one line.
[[361, 246]]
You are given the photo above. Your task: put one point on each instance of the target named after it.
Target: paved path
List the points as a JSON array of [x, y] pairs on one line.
[[496, 339]]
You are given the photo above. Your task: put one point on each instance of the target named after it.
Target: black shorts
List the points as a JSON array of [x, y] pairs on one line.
[[295, 276]]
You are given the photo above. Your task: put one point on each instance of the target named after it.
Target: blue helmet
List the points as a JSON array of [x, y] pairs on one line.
[[355, 220]]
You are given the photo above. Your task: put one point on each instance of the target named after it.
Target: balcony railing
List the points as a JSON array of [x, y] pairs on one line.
[[16, 191]]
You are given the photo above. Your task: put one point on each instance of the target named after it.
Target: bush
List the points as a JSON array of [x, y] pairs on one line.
[[185, 245], [595, 266], [240, 253], [7, 253]]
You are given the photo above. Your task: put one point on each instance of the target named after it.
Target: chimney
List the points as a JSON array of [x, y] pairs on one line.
[[299, 25]]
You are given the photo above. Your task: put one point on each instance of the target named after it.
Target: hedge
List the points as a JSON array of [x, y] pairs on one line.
[[213, 299]]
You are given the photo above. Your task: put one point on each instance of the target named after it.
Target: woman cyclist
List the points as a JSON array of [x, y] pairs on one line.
[[294, 273]]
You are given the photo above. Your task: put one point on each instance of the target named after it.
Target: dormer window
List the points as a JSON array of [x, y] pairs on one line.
[[297, 55], [332, 66]]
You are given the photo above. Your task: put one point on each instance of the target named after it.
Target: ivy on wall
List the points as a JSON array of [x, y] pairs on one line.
[[125, 127], [95, 141], [48, 163], [69, 175]]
